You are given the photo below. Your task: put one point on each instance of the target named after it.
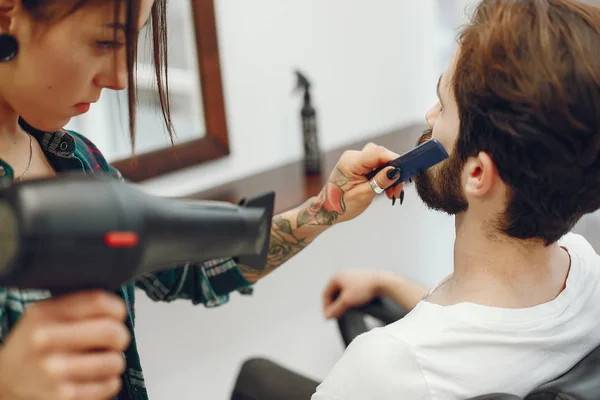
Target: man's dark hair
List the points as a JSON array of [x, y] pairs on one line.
[[527, 85]]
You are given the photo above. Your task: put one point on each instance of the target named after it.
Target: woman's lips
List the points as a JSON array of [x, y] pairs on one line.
[[82, 107]]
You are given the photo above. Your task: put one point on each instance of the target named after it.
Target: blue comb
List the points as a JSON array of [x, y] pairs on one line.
[[415, 161]]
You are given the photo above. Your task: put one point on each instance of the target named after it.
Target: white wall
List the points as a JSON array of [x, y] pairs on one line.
[[373, 65]]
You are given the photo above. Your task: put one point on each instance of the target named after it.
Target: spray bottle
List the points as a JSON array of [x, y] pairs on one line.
[[312, 152]]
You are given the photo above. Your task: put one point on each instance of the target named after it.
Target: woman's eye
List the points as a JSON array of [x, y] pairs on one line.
[[109, 45]]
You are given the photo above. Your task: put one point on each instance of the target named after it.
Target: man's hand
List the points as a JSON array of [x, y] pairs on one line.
[[353, 288], [357, 287], [67, 347], [347, 192]]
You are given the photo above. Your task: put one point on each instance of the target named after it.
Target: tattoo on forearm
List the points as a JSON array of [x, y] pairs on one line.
[[328, 205], [283, 245]]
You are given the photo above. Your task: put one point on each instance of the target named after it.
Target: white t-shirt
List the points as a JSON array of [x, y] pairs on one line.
[[466, 350]]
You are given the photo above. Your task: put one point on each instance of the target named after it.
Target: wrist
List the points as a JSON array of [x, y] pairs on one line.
[[314, 214], [387, 283]]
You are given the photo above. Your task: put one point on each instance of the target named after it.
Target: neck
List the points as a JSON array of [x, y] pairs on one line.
[[495, 269], [9, 124]]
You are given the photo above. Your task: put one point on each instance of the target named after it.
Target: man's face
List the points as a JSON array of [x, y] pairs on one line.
[[440, 187]]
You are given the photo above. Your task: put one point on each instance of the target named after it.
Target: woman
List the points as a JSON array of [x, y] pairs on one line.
[[56, 56]]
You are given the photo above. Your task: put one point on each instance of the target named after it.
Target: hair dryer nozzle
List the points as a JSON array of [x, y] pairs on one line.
[[267, 203]]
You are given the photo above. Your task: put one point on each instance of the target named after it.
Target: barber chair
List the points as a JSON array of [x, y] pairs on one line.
[[582, 382]]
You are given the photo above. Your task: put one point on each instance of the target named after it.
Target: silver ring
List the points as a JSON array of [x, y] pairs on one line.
[[375, 187]]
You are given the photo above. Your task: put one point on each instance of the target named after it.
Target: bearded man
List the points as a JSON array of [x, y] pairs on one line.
[[518, 113]]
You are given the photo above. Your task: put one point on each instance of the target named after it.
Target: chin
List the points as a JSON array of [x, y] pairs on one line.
[[47, 124], [439, 187]]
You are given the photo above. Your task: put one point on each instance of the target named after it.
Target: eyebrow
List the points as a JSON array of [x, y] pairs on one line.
[[437, 89], [122, 27]]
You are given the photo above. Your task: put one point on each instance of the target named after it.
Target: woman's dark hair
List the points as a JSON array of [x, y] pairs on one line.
[[50, 11], [527, 85]]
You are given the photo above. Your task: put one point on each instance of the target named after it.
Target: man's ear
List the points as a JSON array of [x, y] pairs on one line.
[[481, 174]]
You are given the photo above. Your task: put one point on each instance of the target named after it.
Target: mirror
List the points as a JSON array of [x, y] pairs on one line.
[[195, 91]]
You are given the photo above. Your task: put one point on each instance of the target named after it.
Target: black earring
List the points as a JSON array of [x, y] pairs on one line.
[[9, 47]]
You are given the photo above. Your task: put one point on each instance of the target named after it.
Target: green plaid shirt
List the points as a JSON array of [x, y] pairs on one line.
[[208, 283]]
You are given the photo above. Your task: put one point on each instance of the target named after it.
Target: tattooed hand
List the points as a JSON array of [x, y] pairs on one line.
[[347, 192]]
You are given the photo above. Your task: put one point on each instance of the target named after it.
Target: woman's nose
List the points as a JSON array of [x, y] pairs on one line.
[[113, 76], [116, 81]]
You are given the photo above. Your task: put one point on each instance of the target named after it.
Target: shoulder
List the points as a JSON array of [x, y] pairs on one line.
[[89, 153], [576, 243], [378, 348], [376, 365], [586, 230]]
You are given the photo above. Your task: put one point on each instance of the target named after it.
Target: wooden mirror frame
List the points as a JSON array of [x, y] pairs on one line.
[[215, 143]]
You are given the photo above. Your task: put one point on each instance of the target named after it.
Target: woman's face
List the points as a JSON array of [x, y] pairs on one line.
[[61, 68]]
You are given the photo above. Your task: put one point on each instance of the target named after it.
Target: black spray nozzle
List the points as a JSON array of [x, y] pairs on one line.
[[303, 84]]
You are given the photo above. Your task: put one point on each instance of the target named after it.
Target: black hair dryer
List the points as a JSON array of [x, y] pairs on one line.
[[77, 232]]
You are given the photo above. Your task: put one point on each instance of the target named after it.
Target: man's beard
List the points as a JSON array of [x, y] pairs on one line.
[[439, 187]]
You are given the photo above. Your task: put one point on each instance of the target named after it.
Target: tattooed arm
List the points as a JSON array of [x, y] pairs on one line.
[[345, 196], [295, 229]]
